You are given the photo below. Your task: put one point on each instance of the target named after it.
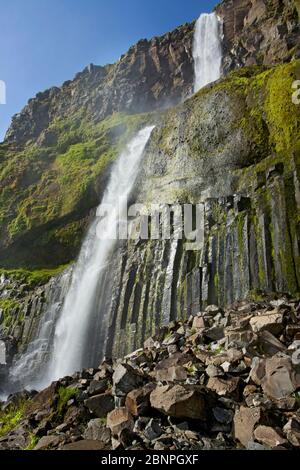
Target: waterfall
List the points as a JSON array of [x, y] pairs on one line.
[[207, 50], [71, 338], [28, 367]]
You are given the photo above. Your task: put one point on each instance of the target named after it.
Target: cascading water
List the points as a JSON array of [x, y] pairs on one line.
[[71, 332], [71, 340], [207, 50], [67, 330]]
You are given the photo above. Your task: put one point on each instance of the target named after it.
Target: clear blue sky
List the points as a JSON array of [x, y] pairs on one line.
[[45, 42]]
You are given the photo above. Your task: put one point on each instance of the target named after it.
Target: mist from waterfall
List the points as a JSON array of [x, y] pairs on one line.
[[207, 50]]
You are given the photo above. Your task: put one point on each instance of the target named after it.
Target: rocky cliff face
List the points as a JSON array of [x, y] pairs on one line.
[[259, 32], [233, 147], [58, 150]]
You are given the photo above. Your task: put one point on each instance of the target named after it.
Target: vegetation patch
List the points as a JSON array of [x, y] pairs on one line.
[[64, 395], [34, 278], [11, 417]]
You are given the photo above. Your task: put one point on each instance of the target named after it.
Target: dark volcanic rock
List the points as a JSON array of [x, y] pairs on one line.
[[100, 405]]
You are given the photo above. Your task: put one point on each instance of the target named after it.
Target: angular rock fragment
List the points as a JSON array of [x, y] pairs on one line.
[[179, 401], [245, 420], [100, 405], [118, 420], [125, 379], [224, 387], [269, 436], [281, 378], [97, 431], [138, 401]]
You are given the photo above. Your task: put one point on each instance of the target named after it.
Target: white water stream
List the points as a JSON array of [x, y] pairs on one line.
[[71, 330], [207, 50]]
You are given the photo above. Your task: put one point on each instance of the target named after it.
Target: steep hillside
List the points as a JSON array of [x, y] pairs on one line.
[[233, 147], [57, 152]]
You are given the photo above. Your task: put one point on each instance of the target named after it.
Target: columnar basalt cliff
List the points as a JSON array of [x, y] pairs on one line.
[[233, 147]]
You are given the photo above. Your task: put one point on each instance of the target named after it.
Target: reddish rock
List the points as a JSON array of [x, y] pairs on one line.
[[84, 445], [118, 420], [179, 401], [269, 436], [138, 401], [48, 442], [245, 420], [281, 378], [224, 387]]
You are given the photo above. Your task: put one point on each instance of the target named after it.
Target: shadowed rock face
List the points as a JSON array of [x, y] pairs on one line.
[[259, 32]]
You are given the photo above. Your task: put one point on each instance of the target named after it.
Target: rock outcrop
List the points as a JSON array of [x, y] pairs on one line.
[[259, 32]]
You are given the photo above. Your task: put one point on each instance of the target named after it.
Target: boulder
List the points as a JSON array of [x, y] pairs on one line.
[[171, 374], [177, 359], [292, 431], [198, 323], [118, 420], [215, 333], [214, 371], [84, 445], [228, 387], [269, 436], [268, 344], [100, 405], [232, 355], [281, 378], [44, 400], [96, 431], [153, 430], [138, 401], [179, 401], [171, 339], [245, 420], [125, 379], [97, 386], [48, 442], [258, 370], [271, 321], [213, 310], [222, 415]]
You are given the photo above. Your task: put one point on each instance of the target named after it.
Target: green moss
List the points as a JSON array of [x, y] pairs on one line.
[[32, 442], [282, 115], [33, 278], [11, 417], [53, 184], [10, 309], [64, 395]]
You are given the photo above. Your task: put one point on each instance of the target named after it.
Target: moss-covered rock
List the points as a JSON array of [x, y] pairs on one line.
[[48, 191]]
